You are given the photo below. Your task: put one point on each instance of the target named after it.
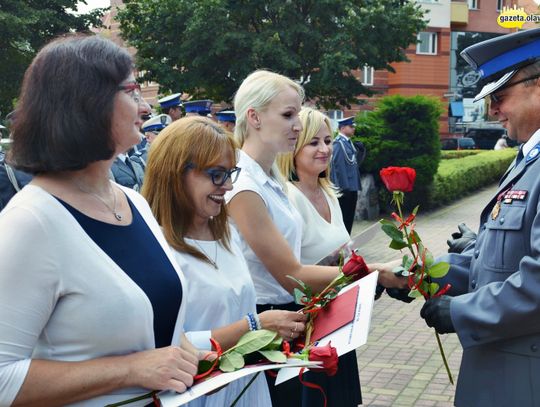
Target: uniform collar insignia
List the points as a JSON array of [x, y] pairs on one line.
[[533, 154]]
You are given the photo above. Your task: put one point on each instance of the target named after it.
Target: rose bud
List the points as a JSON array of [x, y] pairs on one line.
[[327, 355], [356, 267]]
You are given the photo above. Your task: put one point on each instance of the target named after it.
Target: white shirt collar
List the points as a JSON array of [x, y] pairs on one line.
[[529, 145], [256, 170]]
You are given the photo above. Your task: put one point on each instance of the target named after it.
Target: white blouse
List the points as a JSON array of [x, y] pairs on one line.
[[62, 298], [215, 298], [320, 238], [283, 214]]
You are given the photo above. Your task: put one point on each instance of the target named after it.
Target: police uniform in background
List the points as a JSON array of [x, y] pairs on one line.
[[11, 181], [495, 302], [345, 173], [151, 129], [172, 105], [198, 107], [226, 119], [126, 172]]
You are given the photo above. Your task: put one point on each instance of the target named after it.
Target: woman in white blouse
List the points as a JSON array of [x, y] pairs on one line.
[[190, 167], [310, 190], [267, 124], [90, 295]]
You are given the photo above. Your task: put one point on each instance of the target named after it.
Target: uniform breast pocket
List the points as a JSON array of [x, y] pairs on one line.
[[504, 241]]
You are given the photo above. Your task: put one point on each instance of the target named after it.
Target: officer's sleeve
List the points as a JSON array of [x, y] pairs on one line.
[[458, 275], [337, 163]]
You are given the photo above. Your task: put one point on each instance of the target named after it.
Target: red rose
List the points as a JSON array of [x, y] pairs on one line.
[[398, 178], [356, 267], [327, 355]]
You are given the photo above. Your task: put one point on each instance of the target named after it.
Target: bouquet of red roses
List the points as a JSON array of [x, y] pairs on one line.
[[418, 265]]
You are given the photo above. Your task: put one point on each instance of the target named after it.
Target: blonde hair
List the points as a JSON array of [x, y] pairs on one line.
[[257, 91], [197, 141], [312, 121]]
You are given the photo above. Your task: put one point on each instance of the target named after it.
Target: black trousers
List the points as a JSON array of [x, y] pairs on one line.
[[342, 390], [347, 203]]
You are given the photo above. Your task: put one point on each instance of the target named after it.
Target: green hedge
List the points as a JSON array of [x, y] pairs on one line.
[[452, 154], [456, 178], [403, 131]]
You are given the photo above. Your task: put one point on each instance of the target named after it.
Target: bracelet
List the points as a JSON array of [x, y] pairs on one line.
[[257, 321], [252, 323]]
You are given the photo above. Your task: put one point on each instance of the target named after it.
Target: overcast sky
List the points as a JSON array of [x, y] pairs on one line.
[[92, 4]]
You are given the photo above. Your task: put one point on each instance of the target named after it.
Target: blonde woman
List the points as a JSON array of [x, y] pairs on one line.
[[311, 192], [191, 165], [267, 107]]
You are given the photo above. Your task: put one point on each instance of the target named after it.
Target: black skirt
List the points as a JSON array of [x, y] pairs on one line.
[[341, 390]]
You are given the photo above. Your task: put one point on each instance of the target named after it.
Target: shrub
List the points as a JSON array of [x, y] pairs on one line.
[[456, 178], [452, 154], [403, 131]]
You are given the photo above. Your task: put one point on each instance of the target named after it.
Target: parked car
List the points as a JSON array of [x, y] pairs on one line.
[[486, 137], [461, 143]]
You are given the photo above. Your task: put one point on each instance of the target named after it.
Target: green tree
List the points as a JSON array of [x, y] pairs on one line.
[[403, 132], [207, 47], [25, 26]]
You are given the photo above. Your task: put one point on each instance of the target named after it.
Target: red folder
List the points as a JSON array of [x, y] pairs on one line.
[[335, 315]]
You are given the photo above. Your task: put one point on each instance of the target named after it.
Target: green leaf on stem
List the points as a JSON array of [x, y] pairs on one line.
[[407, 262], [416, 237], [415, 210], [300, 283], [397, 244], [386, 222], [433, 288], [274, 356], [298, 296], [414, 294], [438, 270], [229, 362], [393, 232], [429, 259], [275, 344], [204, 366], [253, 341]]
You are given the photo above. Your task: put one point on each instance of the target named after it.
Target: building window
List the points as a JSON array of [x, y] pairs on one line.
[[427, 43], [500, 5], [334, 116], [473, 4], [367, 76]]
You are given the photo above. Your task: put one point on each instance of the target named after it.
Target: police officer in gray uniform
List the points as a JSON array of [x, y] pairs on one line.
[[345, 173], [495, 302]]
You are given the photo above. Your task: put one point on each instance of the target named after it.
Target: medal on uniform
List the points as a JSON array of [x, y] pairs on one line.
[[496, 209]]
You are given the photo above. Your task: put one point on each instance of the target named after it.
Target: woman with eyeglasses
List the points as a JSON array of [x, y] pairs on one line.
[[191, 165], [267, 124], [91, 303], [310, 190]]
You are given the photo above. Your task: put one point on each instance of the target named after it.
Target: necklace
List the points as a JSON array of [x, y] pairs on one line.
[[212, 262], [112, 209]]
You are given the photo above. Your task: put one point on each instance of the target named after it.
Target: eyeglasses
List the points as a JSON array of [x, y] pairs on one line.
[[133, 89], [496, 99], [219, 176]]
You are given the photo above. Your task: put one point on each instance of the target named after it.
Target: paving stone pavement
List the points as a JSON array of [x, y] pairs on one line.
[[400, 366]]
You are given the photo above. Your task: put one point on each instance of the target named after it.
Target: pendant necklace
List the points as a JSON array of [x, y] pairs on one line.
[[212, 262], [117, 216]]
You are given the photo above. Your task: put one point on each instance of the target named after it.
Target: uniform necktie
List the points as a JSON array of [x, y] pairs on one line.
[[519, 156]]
